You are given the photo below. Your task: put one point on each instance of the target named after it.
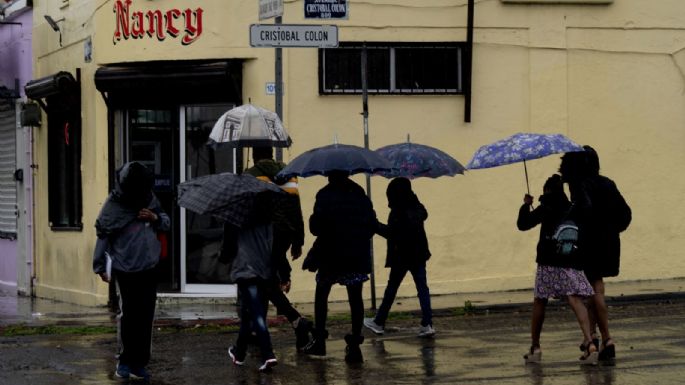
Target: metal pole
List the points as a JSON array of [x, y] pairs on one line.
[[279, 87], [468, 64], [365, 106]]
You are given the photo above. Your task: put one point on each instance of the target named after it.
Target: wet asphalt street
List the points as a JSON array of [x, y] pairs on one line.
[[483, 348]]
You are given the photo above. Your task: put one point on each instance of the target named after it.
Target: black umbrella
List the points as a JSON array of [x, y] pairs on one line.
[[336, 157], [226, 196]]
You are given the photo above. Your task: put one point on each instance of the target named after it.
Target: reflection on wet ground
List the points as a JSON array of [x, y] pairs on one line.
[[480, 349]]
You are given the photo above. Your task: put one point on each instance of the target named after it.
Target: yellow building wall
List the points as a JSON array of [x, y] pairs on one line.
[[611, 76]]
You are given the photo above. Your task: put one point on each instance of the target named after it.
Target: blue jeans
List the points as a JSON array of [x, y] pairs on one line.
[[253, 318], [396, 276]]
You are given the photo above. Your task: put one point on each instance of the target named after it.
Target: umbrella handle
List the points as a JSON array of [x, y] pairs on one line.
[[525, 168]]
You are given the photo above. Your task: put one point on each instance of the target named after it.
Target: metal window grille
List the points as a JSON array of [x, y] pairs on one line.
[[8, 190]]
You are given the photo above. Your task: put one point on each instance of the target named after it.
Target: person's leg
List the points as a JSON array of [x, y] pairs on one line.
[[354, 297], [317, 346], [421, 282], [253, 294], [353, 353], [601, 314], [538, 319], [281, 302], [394, 280], [581, 313], [534, 354], [138, 295], [589, 350], [239, 350]]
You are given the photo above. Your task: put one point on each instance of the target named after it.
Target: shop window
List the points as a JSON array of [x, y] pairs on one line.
[[393, 68], [64, 168]]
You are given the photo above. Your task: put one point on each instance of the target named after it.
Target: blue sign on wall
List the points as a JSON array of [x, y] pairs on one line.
[[326, 9]]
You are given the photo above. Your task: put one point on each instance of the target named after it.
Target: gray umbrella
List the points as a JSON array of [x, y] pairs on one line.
[[226, 196]]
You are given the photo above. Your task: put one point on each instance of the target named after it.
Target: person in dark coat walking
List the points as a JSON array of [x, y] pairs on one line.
[[288, 234], [127, 250], [407, 252], [602, 214], [343, 222], [556, 276]]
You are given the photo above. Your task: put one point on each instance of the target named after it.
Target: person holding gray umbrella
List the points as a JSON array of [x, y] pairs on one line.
[[343, 222]]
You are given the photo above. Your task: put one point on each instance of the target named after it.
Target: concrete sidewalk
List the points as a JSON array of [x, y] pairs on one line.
[[37, 311]]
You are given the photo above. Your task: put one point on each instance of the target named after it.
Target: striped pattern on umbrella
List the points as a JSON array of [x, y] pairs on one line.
[[226, 196]]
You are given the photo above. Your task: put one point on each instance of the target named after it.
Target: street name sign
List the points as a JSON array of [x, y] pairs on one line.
[[270, 8], [293, 35], [326, 9]]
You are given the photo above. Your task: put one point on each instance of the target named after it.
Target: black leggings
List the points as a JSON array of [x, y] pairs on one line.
[[354, 297]]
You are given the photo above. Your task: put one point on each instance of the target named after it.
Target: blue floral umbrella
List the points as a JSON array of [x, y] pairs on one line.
[[521, 147], [335, 157], [411, 160]]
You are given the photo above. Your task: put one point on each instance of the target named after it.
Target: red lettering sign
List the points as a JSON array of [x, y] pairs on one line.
[[157, 23]]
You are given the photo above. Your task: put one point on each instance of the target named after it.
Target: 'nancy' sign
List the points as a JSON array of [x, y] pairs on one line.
[[156, 23]]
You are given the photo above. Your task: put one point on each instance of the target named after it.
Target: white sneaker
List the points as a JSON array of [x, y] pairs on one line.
[[371, 324], [426, 331]]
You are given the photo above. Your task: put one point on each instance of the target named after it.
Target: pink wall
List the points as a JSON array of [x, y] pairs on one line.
[[15, 50]]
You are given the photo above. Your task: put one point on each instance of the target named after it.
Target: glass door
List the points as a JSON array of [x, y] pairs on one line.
[[201, 271]]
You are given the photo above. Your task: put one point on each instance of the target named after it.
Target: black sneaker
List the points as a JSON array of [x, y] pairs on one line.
[[139, 374], [304, 326], [238, 360], [122, 371], [268, 364], [316, 347], [353, 354]]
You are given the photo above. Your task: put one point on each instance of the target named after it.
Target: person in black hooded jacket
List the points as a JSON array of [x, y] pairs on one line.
[[343, 222], [556, 276], [602, 214], [407, 252], [127, 250]]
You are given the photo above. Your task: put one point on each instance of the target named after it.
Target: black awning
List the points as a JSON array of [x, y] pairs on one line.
[[60, 90], [152, 83], [61, 82]]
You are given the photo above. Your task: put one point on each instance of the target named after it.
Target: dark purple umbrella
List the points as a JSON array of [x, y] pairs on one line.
[[226, 196], [335, 157], [411, 160]]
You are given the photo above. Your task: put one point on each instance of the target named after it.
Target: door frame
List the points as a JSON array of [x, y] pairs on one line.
[[219, 290]]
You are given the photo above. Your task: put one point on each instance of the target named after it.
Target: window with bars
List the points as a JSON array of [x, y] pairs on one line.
[[393, 68]]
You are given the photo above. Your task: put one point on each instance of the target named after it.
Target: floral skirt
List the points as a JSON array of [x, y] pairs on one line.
[[346, 279], [557, 282]]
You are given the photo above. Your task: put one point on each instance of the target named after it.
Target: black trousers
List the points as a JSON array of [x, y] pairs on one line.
[[137, 299]]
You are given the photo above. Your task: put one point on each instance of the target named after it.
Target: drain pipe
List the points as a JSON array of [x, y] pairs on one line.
[[468, 64]]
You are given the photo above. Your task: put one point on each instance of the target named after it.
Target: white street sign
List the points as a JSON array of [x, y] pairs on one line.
[[293, 35], [270, 8]]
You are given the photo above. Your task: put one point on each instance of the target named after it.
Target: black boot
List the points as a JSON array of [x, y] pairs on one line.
[[304, 326], [317, 346], [353, 354]]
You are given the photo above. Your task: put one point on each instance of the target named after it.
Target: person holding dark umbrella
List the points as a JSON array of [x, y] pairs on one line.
[[343, 222]]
